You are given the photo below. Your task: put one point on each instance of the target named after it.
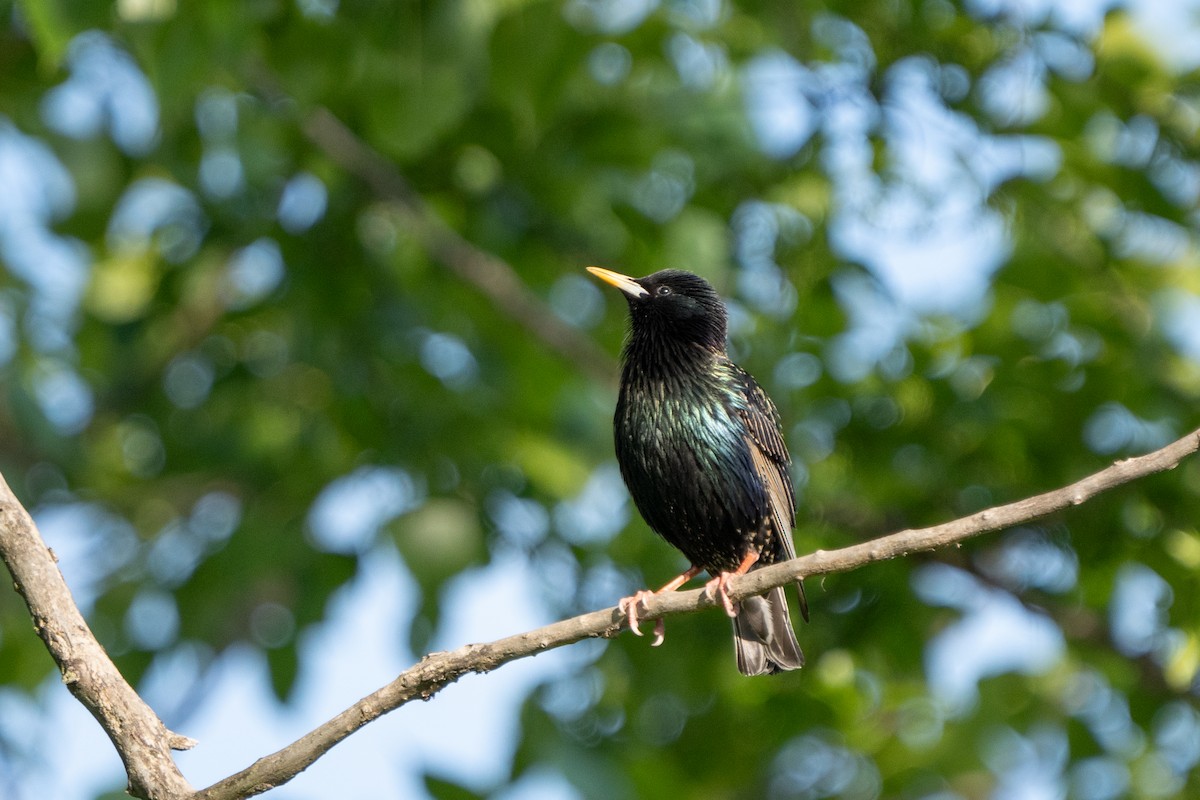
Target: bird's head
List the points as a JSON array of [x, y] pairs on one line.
[[671, 303]]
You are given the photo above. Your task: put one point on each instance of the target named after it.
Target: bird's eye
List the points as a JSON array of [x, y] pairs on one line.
[[663, 291]]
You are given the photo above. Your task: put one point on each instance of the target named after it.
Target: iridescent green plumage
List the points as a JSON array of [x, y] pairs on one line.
[[700, 449]]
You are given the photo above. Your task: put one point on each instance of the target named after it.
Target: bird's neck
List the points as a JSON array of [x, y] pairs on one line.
[[654, 359]]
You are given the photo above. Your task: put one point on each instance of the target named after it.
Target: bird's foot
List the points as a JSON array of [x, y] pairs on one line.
[[629, 607], [715, 590]]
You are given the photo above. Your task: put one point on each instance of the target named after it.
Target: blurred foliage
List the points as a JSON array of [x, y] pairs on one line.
[[209, 324]]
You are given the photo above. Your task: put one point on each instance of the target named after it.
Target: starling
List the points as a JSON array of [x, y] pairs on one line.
[[701, 451]]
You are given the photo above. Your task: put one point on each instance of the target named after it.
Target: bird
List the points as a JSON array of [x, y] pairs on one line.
[[702, 453]]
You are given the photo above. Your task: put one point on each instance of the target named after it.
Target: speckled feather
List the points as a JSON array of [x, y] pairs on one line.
[[687, 456], [701, 451]]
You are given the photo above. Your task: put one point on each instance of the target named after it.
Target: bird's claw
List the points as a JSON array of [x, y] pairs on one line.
[[660, 632], [715, 590], [629, 607]]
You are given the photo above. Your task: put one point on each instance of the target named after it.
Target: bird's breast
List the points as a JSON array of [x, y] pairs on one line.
[[661, 421], [685, 457]]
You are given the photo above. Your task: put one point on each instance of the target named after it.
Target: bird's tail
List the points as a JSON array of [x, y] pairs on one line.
[[763, 635]]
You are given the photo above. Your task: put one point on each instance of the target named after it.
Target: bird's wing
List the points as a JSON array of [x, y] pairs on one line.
[[779, 491], [769, 454]]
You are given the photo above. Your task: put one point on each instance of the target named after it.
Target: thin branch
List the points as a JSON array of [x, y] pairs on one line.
[[491, 275], [141, 739], [439, 669]]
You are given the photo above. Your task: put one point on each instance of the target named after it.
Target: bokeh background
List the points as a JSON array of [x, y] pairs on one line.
[[303, 378]]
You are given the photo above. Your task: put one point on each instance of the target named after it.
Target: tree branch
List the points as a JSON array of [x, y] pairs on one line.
[[144, 743], [439, 669], [140, 737]]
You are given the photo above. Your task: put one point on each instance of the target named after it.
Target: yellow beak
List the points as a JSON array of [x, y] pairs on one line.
[[623, 282]]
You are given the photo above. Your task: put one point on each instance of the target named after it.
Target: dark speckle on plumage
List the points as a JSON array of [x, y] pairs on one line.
[[701, 451]]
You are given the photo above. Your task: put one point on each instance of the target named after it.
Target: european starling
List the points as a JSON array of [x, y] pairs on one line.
[[701, 451]]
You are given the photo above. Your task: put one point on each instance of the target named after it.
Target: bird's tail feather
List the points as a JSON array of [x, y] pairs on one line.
[[763, 635]]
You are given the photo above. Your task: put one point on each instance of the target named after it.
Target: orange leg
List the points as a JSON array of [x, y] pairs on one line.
[[680, 580], [629, 605], [716, 587]]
